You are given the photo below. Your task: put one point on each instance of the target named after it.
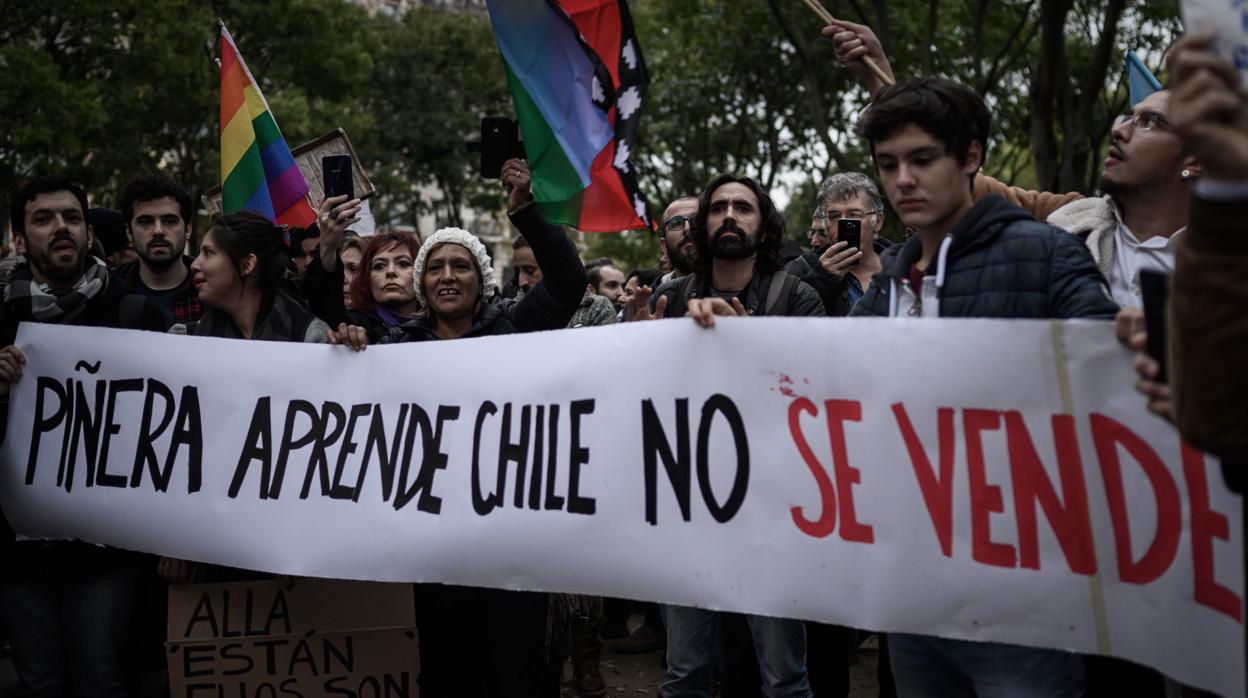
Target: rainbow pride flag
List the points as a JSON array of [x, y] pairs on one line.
[[577, 79], [258, 172]]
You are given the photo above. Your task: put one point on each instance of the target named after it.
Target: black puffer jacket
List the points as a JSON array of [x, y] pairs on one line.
[[1001, 263]]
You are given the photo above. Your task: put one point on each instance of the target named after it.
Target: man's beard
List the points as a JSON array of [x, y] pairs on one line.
[[1116, 189], [680, 261], [65, 272], [175, 256], [738, 246]]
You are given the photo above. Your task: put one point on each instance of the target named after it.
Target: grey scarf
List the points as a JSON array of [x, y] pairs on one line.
[[42, 304]]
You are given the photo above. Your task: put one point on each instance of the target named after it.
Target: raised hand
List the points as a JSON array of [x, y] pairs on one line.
[[335, 215], [855, 43], [839, 259], [518, 182], [638, 306], [1208, 110]]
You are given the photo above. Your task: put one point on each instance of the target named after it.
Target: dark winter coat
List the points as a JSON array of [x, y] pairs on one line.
[[999, 262]]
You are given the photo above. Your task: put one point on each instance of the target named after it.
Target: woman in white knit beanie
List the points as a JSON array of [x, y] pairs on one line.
[[455, 279], [488, 643]]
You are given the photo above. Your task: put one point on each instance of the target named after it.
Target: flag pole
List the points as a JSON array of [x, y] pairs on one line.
[[827, 18]]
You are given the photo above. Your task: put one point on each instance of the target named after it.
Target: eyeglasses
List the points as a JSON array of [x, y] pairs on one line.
[[675, 224], [816, 231], [853, 214], [1144, 121]]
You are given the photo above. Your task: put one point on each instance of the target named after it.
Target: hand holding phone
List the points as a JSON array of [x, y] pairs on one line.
[[849, 230]]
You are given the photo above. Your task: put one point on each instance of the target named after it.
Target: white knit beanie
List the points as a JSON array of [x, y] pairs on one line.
[[468, 241]]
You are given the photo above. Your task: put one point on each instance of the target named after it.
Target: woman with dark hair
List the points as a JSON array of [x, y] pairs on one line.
[[382, 294], [486, 642], [238, 274]]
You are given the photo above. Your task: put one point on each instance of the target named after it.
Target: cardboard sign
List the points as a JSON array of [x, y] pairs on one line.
[[981, 479], [292, 637], [308, 158]]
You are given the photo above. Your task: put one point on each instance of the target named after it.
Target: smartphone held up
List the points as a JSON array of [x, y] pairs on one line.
[[849, 230]]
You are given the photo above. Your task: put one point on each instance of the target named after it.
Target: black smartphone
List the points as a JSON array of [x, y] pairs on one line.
[[500, 142], [1153, 286], [336, 175], [849, 230]]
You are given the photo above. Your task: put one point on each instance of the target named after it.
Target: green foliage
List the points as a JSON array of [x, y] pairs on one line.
[[103, 90], [635, 249], [437, 74]]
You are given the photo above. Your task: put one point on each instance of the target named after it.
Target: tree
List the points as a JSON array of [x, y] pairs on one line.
[[437, 73]]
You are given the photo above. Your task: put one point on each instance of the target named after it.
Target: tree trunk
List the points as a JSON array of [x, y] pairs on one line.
[[1048, 82]]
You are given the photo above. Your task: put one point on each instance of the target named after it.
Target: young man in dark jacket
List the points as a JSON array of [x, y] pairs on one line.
[[158, 214], [987, 259], [969, 259], [66, 605]]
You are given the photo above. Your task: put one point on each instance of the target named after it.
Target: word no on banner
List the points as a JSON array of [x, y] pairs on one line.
[[980, 479]]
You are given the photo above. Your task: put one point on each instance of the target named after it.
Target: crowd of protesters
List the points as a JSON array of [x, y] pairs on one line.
[[1173, 188]]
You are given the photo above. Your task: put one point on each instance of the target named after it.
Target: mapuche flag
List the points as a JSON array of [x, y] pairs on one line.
[[578, 80], [258, 172]]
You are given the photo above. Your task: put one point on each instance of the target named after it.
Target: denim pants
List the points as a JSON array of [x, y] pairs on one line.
[[69, 634], [931, 666], [692, 649]]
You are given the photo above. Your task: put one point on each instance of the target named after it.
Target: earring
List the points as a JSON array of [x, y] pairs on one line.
[[1187, 174]]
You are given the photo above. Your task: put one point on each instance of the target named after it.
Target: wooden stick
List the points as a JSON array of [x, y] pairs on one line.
[[827, 18]]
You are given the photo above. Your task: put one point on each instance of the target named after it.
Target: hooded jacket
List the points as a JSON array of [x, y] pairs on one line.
[[998, 262]]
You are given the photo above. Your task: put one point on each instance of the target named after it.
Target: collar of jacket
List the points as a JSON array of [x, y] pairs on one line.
[[754, 291], [425, 326], [980, 226], [129, 273]]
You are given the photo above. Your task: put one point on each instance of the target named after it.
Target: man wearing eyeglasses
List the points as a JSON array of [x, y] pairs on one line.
[[1146, 183], [839, 270], [676, 239], [818, 233]]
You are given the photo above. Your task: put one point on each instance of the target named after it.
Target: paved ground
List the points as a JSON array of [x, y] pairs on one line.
[[631, 675], [637, 675]]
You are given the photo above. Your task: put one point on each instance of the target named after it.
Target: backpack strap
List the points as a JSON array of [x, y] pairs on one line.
[[779, 292], [130, 312]]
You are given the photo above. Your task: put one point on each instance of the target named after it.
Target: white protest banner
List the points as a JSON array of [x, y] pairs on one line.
[[1228, 20], [981, 479]]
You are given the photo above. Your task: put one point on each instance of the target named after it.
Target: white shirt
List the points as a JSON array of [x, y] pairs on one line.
[[1131, 255]]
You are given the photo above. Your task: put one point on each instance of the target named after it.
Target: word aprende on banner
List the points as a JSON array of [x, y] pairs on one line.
[[292, 637], [978, 479]]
